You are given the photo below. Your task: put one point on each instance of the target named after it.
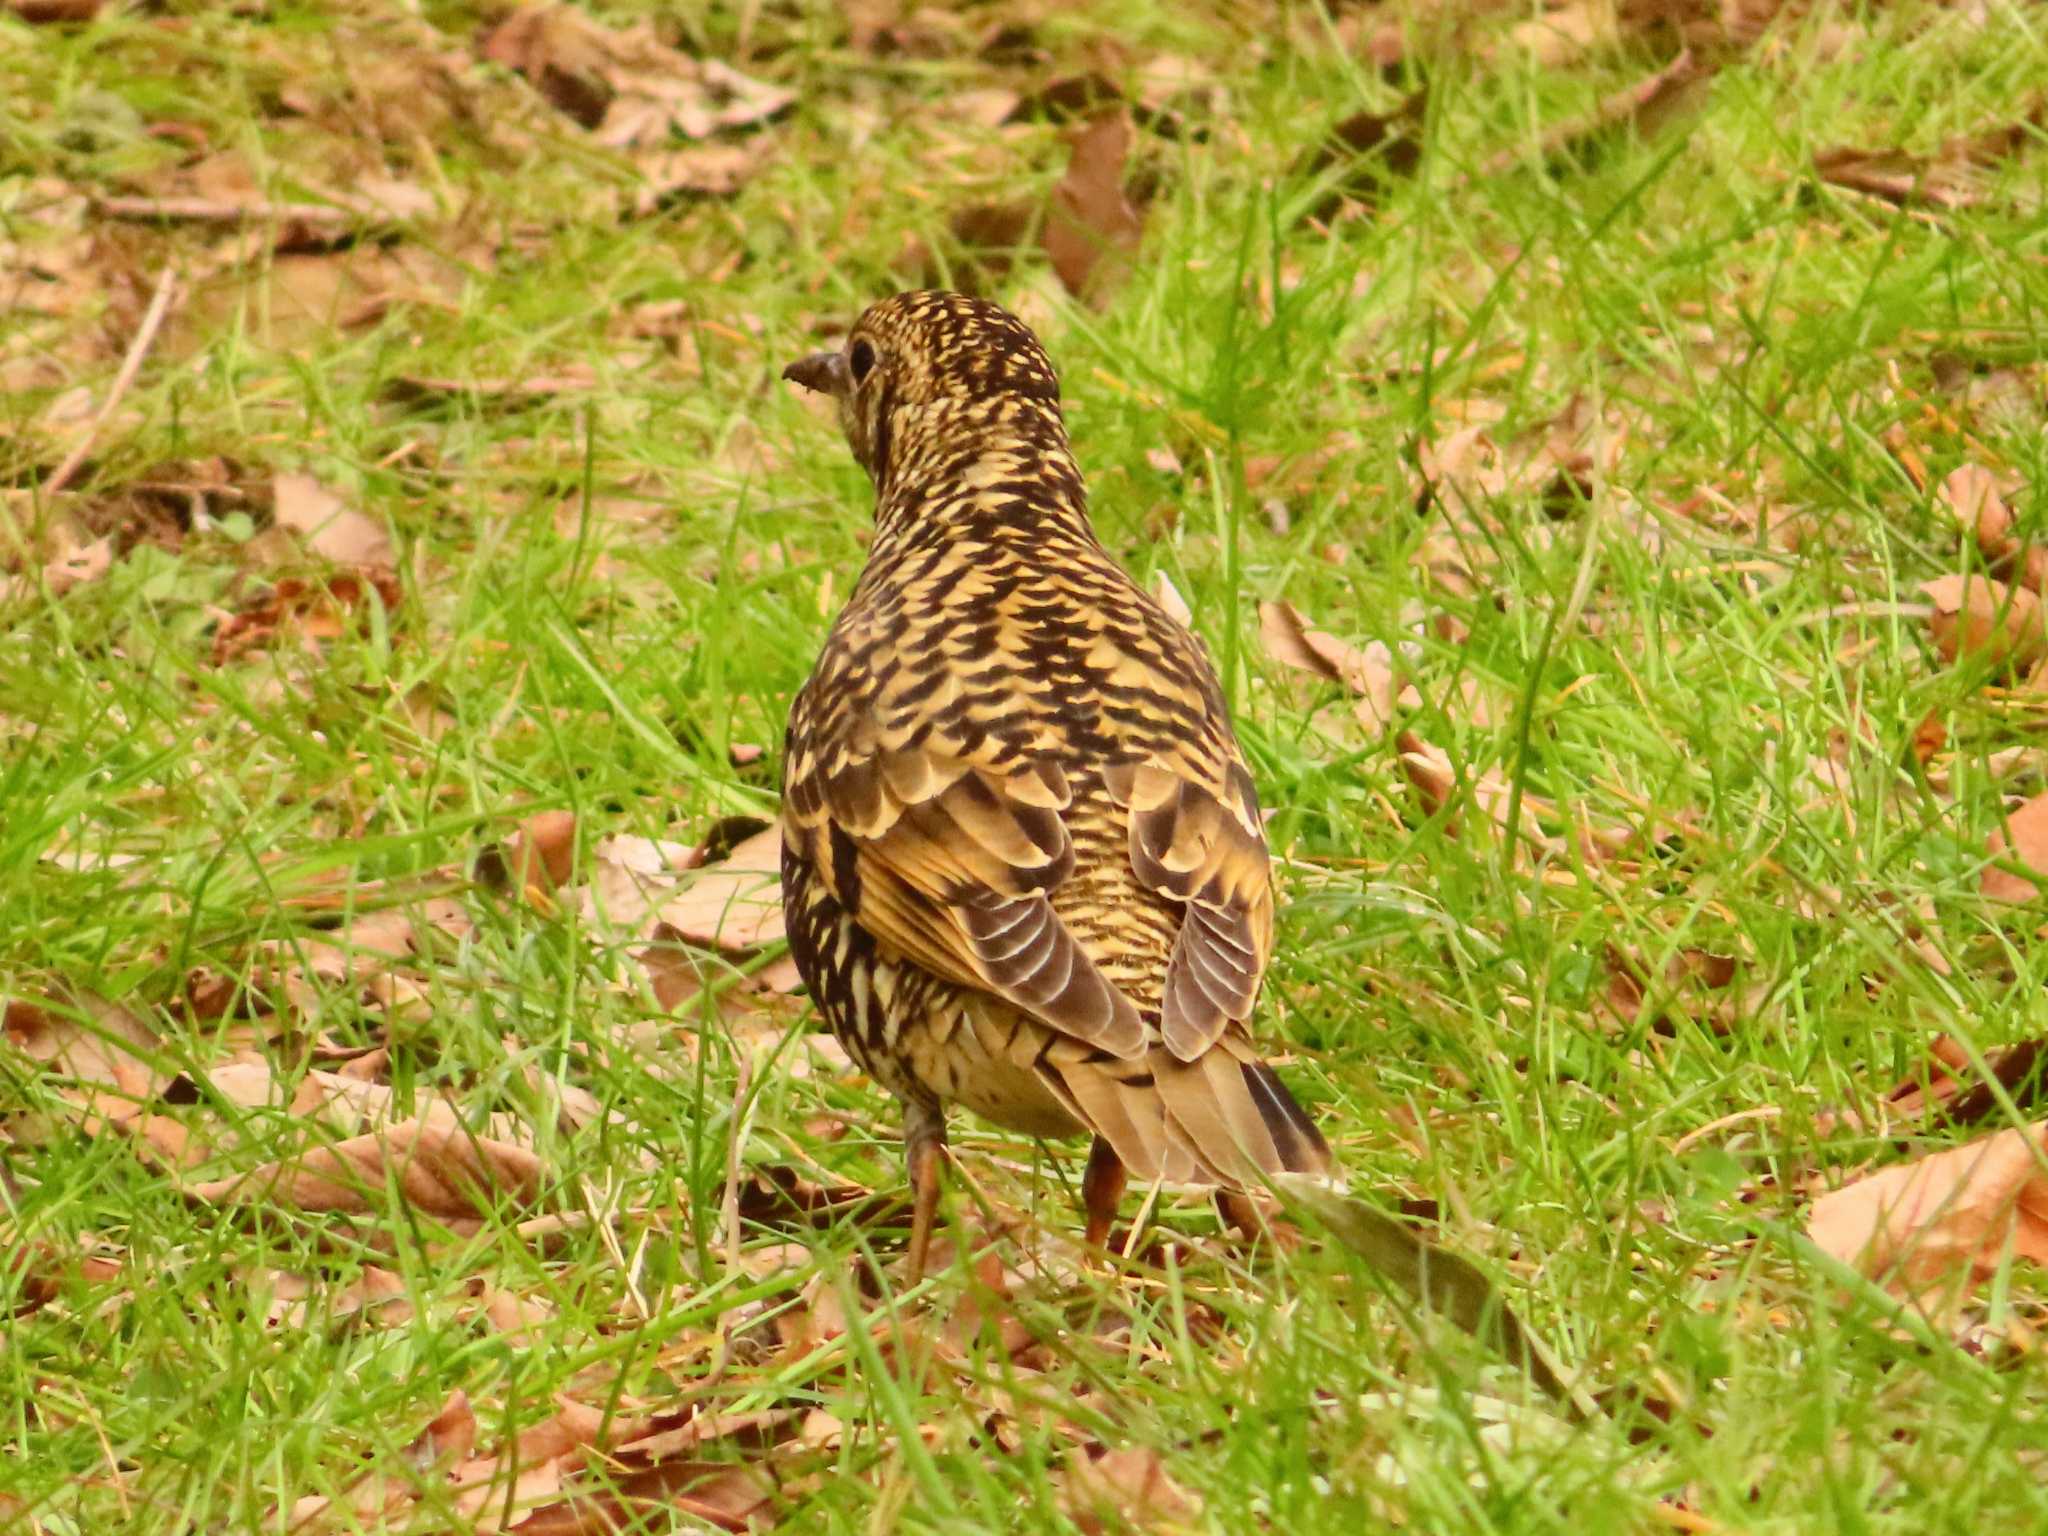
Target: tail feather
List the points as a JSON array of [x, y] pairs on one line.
[[1300, 1145], [1120, 1102], [1224, 1118]]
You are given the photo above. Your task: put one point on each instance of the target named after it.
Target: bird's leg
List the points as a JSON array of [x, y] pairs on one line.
[[1102, 1187], [924, 1150], [1241, 1211]]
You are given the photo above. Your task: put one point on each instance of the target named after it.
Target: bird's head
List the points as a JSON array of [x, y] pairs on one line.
[[918, 367]]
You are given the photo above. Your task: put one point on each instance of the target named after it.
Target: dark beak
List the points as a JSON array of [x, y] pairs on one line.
[[822, 373]]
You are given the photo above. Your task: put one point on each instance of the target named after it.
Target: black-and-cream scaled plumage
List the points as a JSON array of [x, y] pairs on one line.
[[1023, 868]]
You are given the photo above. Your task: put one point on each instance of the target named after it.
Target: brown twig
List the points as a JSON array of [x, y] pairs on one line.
[[210, 210], [138, 349]]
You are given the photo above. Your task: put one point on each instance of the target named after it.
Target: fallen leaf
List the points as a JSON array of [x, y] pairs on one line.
[[1369, 673], [1949, 178], [1972, 496], [2023, 840], [76, 564], [313, 610], [106, 1054], [1126, 1489], [669, 177], [331, 528], [1948, 1088], [1435, 778], [540, 854], [1092, 228], [1374, 150], [1925, 1225], [506, 394], [44, 12], [1647, 106], [627, 87], [437, 1166], [1987, 620], [735, 904]]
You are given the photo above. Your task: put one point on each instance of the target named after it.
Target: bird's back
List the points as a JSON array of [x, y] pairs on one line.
[[1024, 859]]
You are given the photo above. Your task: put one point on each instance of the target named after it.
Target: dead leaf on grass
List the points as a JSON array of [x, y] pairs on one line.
[[1093, 227], [105, 1053], [42, 1269], [296, 1302], [507, 394], [1950, 178], [433, 1164], [1948, 1088], [1924, 1226], [539, 856], [393, 1484], [46, 12], [1374, 149], [1972, 495], [627, 87], [330, 527], [1437, 781], [1368, 673], [1695, 983], [673, 176], [1646, 106], [733, 905], [1986, 620], [2023, 840], [76, 564], [1127, 1489], [313, 611]]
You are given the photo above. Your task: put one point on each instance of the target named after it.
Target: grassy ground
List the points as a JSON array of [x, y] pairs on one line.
[[603, 586]]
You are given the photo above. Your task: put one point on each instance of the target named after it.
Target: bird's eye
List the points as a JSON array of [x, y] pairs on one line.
[[861, 360]]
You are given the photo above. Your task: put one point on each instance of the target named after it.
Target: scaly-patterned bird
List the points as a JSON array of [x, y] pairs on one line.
[[1023, 868]]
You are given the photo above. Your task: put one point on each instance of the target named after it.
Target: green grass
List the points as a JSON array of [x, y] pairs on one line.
[[605, 590]]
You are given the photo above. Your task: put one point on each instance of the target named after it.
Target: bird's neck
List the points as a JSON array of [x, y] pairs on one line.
[[992, 470]]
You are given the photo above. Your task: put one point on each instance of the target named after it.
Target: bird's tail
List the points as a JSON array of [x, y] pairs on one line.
[[1224, 1118]]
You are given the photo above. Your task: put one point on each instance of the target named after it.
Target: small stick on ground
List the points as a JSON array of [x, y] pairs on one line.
[[734, 1147], [138, 349]]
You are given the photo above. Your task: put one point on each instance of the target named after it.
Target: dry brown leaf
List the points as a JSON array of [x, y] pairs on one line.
[[2023, 840], [296, 1302], [1926, 1225], [1127, 1489], [1093, 227], [330, 527], [106, 1052], [627, 87], [75, 564], [312, 611], [1435, 778], [504, 393], [1949, 1088], [1647, 106], [43, 12], [540, 854], [1951, 177], [702, 170], [1972, 496], [1369, 673], [437, 1166], [382, 1495], [652, 1469], [1374, 148], [42, 1269], [735, 904], [1986, 619]]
